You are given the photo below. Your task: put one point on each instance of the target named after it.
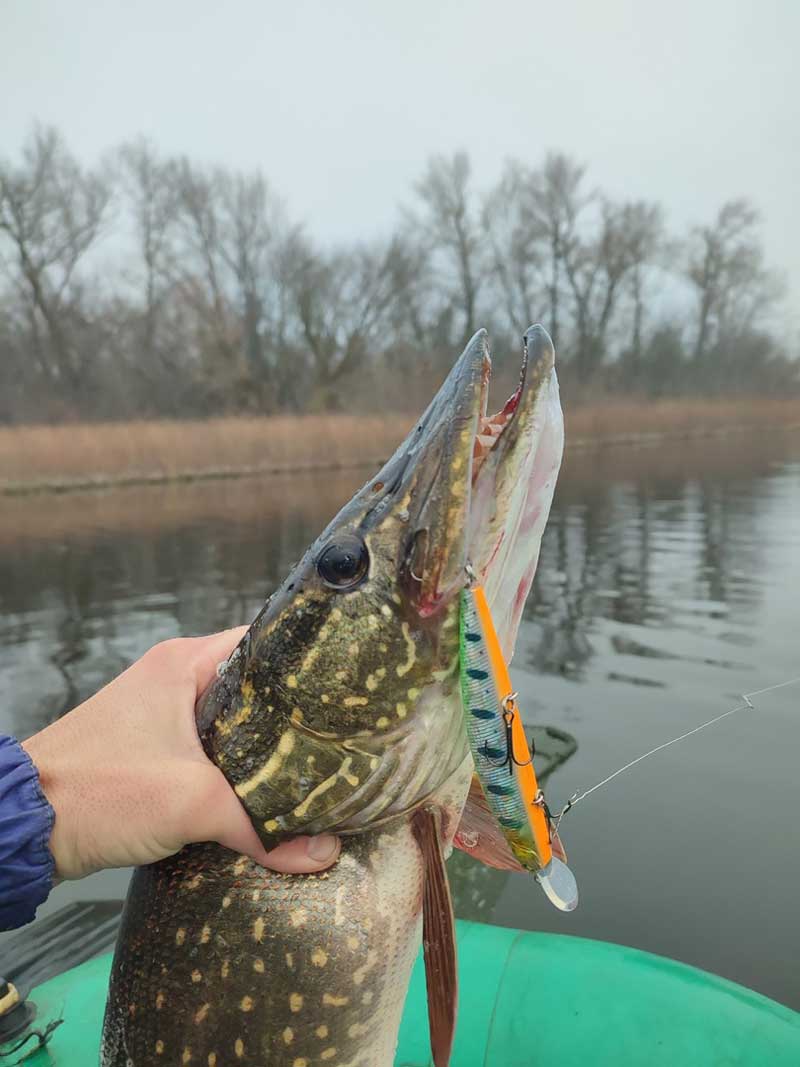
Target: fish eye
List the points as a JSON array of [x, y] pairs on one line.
[[343, 562]]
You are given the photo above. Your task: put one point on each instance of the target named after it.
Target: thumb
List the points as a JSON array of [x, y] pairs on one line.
[[230, 826]]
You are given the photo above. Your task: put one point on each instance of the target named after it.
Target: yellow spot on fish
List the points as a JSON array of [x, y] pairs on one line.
[[225, 969], [340, 676], [239, 866], [355, 702], [367, 998], [295, 1001], [288, 1035], [413, 694], [212, 1059], [386, 611], [319, 957], [357, 1029], [291, 681], [353, 648], [258, 930], [397, 598], [238, 1048], [323, 787], [383, 647], [352, 942], [256, 895], [324, 698], [298, 917], [226, 902], [360, 974], [321, 1031], [339, 913], [297, 715], [328, 1054], [186, 1056], [271, 825], [334, 1002], [336, 615], [195, 882], [382, 722], [310, 657], [411, 648], [457, 463], [285, 747], [258, 965], [344, 772], [160, 998], [201, 1013], [372, 683], [300, 1061], [372, 621], [196, 976], [159, 1047], [180, 935], [246, 1004], [401, 710], [290, 961], [205, 935]]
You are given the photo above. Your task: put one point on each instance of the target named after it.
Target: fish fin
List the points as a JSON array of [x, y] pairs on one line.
[[439, 939], [481, 836]]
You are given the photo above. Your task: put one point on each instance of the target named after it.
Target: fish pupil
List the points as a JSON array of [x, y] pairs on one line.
[[344, 562]]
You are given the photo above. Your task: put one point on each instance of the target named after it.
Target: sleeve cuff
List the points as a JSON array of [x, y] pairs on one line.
[[26, 822]]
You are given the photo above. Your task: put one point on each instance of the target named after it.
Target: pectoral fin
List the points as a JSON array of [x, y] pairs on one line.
[[439, 939]]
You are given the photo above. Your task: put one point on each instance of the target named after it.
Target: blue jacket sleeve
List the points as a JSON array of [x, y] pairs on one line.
[[26, 821]]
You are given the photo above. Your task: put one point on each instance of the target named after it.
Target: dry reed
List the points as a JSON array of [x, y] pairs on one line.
[[83, 455]]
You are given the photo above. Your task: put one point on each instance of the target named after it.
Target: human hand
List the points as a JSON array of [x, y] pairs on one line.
[[128, 779]]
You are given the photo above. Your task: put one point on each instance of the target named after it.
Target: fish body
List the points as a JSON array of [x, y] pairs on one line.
[[341, 710]]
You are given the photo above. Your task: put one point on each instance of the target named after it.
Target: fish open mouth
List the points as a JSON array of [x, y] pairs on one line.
[[515, 454], [491, 427]]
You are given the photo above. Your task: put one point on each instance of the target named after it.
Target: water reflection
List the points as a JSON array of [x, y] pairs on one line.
[[666, 586]]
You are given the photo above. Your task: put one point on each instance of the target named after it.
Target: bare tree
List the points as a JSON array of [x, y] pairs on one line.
[[51, 214], [726, 266], [450, 225], [555, 202], [151, 187], [518, 243]]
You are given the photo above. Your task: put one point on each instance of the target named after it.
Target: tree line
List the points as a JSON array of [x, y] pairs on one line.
[[153, 285]]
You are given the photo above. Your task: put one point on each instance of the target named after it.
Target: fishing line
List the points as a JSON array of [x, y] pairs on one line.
[[746, 697]]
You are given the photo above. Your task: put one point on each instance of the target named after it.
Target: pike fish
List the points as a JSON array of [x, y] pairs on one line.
[[341, 711]]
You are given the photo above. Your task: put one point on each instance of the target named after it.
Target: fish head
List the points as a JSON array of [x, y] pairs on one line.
[[341, 707]]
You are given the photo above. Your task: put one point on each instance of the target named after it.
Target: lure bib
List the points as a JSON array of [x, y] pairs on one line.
[[503, 760]]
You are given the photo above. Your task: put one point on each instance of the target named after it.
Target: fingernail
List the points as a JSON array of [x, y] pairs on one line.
[[322, 848]]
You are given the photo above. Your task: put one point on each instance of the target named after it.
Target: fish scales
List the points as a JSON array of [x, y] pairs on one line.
[[325, 958]]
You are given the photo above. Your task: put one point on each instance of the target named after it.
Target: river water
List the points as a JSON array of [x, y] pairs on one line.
[[669, 584]]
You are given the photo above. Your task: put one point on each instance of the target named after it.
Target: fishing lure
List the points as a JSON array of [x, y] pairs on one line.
[[503, 760]]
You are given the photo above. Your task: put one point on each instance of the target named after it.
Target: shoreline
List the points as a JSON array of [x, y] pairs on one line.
[[102, 481]]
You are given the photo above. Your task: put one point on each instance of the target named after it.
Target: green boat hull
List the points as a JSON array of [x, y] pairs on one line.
[[528, 999]]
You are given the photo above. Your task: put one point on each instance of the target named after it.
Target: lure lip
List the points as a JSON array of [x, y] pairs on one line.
[[558, 884]]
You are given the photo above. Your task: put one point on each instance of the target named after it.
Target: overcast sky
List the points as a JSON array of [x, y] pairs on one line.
[[340, 103]]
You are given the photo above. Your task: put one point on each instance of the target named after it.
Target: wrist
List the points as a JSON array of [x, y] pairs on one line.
[[26, 824]]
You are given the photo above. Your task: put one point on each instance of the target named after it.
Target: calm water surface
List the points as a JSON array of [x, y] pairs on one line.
[[669, 584]]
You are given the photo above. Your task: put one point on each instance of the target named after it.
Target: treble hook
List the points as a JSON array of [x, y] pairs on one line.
[[509, 760]]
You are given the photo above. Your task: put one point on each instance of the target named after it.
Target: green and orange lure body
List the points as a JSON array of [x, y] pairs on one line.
[[503, 760]]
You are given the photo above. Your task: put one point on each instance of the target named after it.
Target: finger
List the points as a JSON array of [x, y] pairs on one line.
[[304, 855], [211, 651]]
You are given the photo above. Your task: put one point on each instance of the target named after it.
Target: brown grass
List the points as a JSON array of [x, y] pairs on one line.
[[86, 455]]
